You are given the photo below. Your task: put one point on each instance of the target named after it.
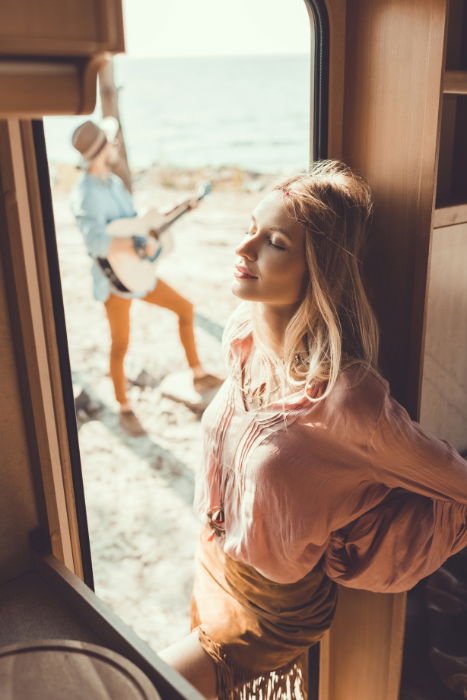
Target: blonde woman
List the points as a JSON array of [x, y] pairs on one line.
[[313, 474]]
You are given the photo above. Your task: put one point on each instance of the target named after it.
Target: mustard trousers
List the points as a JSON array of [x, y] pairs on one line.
[[118, 314]]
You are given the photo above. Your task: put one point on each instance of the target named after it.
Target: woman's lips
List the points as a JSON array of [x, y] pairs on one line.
[[243, 274]]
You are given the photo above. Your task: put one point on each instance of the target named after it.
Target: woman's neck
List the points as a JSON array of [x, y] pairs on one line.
[[271, 323]]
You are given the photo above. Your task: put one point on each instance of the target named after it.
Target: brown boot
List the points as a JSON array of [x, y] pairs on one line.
[[130, 422], [207, 382]]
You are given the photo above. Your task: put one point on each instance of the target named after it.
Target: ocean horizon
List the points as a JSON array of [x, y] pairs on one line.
[[250, 112]]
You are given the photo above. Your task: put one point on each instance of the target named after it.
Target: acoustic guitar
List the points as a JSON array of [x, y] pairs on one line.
[[129, 273]]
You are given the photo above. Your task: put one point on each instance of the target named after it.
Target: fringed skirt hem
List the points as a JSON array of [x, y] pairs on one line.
[[237, 683]]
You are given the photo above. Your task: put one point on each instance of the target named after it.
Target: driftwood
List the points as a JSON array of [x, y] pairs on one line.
[[109, 100]]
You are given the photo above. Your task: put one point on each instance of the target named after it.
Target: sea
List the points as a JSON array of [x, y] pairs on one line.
[[251, 112]]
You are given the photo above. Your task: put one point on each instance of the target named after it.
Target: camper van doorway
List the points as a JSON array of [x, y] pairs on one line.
[[215, 117]]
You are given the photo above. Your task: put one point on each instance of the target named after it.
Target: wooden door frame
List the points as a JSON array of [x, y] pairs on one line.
[[33, 283]]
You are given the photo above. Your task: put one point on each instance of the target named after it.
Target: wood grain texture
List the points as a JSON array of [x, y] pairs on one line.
[[445, 216], [452, 175], [32, 358], [446, 150], [337, 22], [58, 669], [456, 45], [50, 334], [35, 88], [18, 510], [50, 54], [394, 71], [60, 27], [444, 389], [455, 81], [394, 56], [362, 653]]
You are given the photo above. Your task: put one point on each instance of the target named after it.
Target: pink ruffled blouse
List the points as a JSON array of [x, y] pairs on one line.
[[350, 483]]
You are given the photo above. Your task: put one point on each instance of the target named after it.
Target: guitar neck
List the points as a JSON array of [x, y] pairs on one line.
[[172, 219], [181, 210]]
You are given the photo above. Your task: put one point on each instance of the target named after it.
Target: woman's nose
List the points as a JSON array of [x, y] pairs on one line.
[[246, 249]]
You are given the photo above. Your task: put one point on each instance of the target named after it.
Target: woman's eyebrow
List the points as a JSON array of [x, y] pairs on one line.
[[280, 230], [273, 228]]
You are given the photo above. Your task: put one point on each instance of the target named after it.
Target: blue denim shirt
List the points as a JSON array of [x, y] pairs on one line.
[[96, 202]]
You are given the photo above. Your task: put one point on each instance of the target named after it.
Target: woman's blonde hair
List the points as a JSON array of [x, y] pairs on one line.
[[334, 326]]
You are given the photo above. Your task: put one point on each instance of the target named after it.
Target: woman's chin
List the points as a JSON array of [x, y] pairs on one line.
[[241, 291]]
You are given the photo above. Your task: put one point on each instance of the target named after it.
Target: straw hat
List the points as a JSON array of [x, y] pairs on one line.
[[90, 138]]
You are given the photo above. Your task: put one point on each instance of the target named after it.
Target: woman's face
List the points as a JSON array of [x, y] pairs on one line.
[[270, 265]]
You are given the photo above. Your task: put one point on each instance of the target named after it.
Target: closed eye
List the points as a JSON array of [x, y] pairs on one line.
[[275, 245]]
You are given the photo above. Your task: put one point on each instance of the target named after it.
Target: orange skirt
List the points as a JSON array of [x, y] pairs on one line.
[[258, 632]]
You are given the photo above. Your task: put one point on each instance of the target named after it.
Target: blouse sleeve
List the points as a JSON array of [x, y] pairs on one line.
[[421, 522], [397, 543], [403, 455]]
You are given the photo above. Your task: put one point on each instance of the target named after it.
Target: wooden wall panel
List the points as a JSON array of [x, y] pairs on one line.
[[50, 53], [362, 654], [393, 82], [390, 123], [337, 22], [22, 240], [60, 27], [65, 20], [18, 513], [444, 387]]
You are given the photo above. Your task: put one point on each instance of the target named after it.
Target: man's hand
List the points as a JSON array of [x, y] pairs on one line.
[[152, 246], [146, 248], [122, 245], [153, 219]]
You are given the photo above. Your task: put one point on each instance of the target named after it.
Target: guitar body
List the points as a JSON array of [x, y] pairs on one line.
[[129, 273], [132, 274]]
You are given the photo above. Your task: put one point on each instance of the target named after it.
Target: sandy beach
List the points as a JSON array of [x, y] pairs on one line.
[[139, 490]]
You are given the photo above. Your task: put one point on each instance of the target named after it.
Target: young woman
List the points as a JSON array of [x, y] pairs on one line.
[[313, 474]]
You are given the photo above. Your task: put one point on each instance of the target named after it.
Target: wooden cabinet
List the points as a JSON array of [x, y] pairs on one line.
[[50, 52], [443, 406], [65, 28]]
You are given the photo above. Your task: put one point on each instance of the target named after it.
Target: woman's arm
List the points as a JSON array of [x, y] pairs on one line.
[[189, 658], [403, 455], [397, 543], [421, 522]]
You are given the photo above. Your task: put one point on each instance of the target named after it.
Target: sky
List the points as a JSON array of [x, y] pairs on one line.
[[163, 28], [215, 27]]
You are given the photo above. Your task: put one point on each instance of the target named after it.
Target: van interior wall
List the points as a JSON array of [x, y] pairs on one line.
[[18, 510], [394, 67]]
